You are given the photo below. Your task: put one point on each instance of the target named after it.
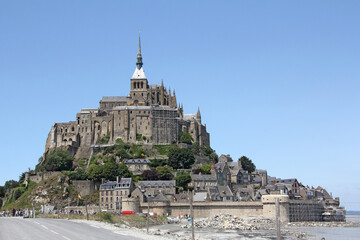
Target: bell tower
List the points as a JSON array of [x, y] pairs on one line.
[[139, 83]]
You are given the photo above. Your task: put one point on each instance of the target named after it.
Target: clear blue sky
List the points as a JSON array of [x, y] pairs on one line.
[[277, 81]]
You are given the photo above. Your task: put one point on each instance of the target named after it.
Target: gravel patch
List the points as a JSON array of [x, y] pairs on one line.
[[135, 232]]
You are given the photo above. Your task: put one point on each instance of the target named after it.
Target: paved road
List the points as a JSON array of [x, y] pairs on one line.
[[15, 228]]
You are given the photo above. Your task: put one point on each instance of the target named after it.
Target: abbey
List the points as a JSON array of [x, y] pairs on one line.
[[148, 115]]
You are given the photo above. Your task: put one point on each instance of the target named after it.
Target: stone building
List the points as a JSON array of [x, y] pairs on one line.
[[149, 114], [137, 166], [111, 193]]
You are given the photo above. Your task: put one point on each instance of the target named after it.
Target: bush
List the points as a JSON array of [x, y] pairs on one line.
[[165, 172], [57, 160], [139, 137], [76, 175], [105, 139], [164, 149], [107, 217], [154, 163], [186, 138], [122, 154]]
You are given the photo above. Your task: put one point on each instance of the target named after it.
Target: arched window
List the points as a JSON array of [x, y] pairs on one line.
[[134, 85], [142, 85]]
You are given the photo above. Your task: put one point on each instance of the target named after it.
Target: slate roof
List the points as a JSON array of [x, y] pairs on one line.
[[108, 185], [160, 198], [205, 177], [124, 183], [159, 183], [224, 191], [137, 161], [200, 196], [286, 181], [114, 99]]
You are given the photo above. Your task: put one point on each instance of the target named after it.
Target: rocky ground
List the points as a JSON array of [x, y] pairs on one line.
[[225, 227]]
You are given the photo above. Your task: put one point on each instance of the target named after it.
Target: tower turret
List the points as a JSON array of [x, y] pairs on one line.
[[198, 115]]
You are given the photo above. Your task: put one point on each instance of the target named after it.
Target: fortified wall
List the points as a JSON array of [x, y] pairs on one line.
[[290, 210]]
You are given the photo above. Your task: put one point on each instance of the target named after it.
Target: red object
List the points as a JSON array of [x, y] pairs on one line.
[[129, 213]]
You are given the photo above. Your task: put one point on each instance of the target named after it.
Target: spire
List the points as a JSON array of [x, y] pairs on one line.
[[139, 62], [198, 115]]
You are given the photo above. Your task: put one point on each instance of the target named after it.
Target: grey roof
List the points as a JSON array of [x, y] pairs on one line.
[[114, 99], [108, 185], [124, 183], [154, 86], [233, 164], [160, 198], [205, 177], [286, 181], [200, 196], [189, 117], [225, 191], [144, 161], [158, 183], [256, 180]]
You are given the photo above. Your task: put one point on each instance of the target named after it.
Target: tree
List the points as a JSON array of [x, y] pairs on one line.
[[77, 175], [122, 154], [165, 172], [10, 184], [57, 160], [17, 193], [150, 175], [110, 171], [181, 158], [2, 192], [22, 177], [94, 172], [247, 164], [182, 180], [186, 138], [123, 171]]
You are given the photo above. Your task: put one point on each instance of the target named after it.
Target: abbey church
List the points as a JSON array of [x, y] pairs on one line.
[[148, 115]]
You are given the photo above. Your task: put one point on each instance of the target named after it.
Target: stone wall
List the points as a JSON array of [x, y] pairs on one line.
[[38, 177], [84, 187], [208, 209]]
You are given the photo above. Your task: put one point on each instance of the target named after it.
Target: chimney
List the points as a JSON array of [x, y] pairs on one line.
[[117, 179]]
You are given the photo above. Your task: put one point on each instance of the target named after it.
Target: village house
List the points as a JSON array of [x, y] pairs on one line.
[[137, 166], [111, 192]]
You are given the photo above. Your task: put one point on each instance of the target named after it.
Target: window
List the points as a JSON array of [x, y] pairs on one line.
[[107, 199], [102, 199]]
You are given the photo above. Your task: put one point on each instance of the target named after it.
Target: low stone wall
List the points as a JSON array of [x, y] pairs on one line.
[[38, 177], [206, 209], [84, 187]]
